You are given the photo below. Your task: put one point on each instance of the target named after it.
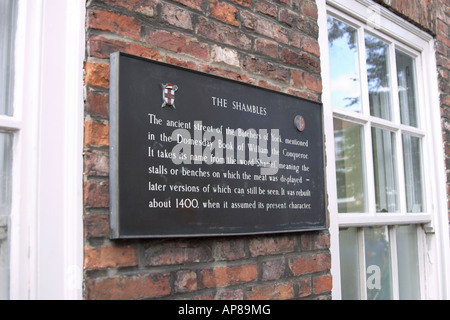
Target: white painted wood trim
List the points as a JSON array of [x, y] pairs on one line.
[[47, 238]]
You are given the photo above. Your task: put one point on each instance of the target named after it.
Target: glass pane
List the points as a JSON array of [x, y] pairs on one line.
[[406, 89], [385, 170], [8, 12], [408, 263], [378, 263], [350, 170], [6, 141], [412, 162], [378, 77], [344, 66], [348, 247]]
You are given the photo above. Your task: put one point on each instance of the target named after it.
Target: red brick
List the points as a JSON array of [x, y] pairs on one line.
[[96, 225], [97, 103], [322, 284], [202, 296], [301, 60], [228, 74], [304, 287], [178, 43], [299, 22], [244, 3], [96, 194], [230, 294], [232, 275], [268, 85], [311, 46], [309, 8], [310, 263], [128, 287], [97, 74], [267, 8], [96, 133], [248, 20], [442, 35], [445, 100], [167, 40], [96, 164], [267, 47], [313, 83], [295, 38], [194, 4], [182, 63], [291, 18], [208, 279], [421, 12], [110, 257], [282, 291], [146, 7], [223, 34], [224, 12], [176, 17], [266, 69], [230, 249], [176, 252], [101, 47], [273, 269], [272, 30], [186, 281], [224, 276], [306, 94], [271, 245], [291, 57], [115, 23], [315, 241], [297, 78]]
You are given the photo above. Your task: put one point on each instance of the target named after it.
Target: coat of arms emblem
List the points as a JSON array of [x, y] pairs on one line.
[[168, 95], [299, 123]]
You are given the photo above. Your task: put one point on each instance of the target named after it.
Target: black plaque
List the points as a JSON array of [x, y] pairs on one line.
[[193, 154]]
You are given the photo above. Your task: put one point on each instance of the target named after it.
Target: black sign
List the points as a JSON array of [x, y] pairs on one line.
[[193, 154]]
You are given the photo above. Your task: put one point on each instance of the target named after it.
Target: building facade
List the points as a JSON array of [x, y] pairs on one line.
[[380, 71]]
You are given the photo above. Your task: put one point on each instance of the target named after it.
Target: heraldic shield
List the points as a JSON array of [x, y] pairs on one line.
[[168, 95]]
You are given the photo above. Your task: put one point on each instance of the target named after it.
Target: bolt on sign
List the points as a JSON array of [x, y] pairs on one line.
[[192, 154]]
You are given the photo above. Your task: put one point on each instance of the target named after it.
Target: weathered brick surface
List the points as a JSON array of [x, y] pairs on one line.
[[443, 61], [272, 44], [97, 74], [229, 275], [186, 281], [309, 263], [96, 194], [96, 133], [143, 286], [277, 291], [110, 257], [418, 12], [101, 47], [96, 226], [115, 23]]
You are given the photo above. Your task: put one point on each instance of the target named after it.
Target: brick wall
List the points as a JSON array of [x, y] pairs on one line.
[[434, 17], [272, 44], [443, 62]]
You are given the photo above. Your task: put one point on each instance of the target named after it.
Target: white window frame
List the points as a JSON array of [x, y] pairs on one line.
[[435, 247], [46, 244]]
